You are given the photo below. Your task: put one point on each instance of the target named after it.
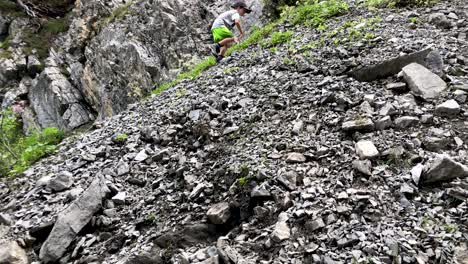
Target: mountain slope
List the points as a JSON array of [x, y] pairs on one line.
[[270, 157]]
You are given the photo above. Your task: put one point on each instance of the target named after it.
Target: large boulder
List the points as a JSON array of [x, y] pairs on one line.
[[423, 82], [70, 222], [12, 253], [443, 169], [56, 102]]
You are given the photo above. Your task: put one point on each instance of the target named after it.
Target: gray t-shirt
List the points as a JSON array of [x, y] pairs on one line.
[[226, 19]]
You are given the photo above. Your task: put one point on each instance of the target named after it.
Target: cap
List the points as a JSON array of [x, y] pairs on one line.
[[243, 5]]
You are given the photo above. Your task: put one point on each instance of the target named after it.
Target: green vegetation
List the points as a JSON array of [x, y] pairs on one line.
[[413, 20], [151, 219], [258, 34], [10, 8], [17, 151], [116, 14], [41, 41], [397, 3], [188, 75], [120, 138], [314, 13], [352, 31], [280, 38]]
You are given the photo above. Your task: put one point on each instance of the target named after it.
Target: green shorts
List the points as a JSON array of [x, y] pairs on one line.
[[221, 33]]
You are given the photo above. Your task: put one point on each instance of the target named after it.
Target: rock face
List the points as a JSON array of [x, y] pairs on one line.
[[70, 222], [12, 253], [111, 61], [56, 102], [423, 82], [444, 169]]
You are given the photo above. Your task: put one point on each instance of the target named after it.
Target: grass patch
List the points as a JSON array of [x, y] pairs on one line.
[[314, 13], [10, 8], [116, 14], [18, 151], [188, 75], [397, 3], [42, 41], [258, 34], [278, 38]]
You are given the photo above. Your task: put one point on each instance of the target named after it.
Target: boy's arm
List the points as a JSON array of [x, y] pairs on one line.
[[239, 27]]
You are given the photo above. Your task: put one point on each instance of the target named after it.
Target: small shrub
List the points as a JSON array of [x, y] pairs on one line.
[[18, 151], [121, 138], [280, 38], [56, 26], [314, 13], [116, 14], [413, 20]]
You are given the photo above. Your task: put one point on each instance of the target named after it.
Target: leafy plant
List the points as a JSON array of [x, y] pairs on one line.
[[314, 13], [121, 138], [413, 20], [18, 151], [116, 14], [280, 38]]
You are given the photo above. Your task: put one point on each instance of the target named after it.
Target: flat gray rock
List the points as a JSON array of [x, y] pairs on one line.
[[444, 169], [406, 121], [12, 253], [364, 125], [449, 108], [366, 149], [62, 181], [70, 221], [219, 213], [422, 82]]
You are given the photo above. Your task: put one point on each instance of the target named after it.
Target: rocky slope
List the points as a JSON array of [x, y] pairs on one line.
[[113, 54], [274, 156]]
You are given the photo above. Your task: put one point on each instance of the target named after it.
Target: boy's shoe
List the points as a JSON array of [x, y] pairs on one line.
[[215, 50], [219, 58]]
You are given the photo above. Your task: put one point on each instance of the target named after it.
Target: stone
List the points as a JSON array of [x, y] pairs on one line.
[[141, 156], [383, 123], [388, 67], [364, 125], [219, 213], [297, 127], [416, 173], [71, 220], [119, 198], [282, 231], [406, 121], [387, 110], [423, 82], [443, 169], [363, 166], [315, 225], [5, 219], [62, 181], [449, 108], [366, 149], [426, 119], [397, 87], [440, 20], [295, 157], [12, 253], [122, 168], [435, 143], [288, 180], [34, 66]]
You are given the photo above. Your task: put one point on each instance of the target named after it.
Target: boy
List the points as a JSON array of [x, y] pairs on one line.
[[222, 26]]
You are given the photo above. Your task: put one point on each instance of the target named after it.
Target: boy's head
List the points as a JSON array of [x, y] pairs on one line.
[[241, 7]]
